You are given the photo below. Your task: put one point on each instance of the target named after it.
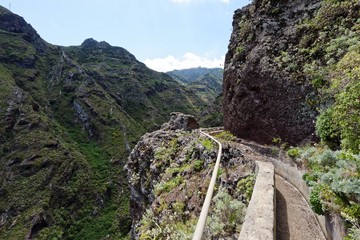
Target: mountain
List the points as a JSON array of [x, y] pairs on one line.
[[207, 87], [206, 83], [190, 75], [146, 95], [69, 117]]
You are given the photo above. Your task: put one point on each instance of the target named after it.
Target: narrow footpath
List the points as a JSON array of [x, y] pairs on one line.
[[294, 218]]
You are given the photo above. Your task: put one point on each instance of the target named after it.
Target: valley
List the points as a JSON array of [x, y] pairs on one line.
[[87, 150]]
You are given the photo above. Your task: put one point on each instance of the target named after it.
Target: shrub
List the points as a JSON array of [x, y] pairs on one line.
[[347, 110], [294, 152], [240, 49], [315, 200], [327, 158], [226, 216], [208, 144], [327, 129], [149, 228], [168, 186], [226, 135], [246, 186], [339, 124], [198, 165], [335, 181], [354, 233]]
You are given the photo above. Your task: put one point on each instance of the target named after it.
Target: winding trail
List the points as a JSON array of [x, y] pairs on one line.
[[294, 218]]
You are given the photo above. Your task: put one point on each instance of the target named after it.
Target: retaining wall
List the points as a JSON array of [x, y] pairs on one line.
[[260, 216]]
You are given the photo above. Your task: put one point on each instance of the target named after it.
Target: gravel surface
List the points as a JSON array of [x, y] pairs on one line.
[[294, 218]]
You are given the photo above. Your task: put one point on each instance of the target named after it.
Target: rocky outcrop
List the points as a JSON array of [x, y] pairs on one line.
[[168, 174], [180, 121], [16, 24], [266, 93]]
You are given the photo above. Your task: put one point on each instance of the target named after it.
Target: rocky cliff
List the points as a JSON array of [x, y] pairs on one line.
[[292, 70], [267, 95], [169, 172], [275, 48], [69, 117]]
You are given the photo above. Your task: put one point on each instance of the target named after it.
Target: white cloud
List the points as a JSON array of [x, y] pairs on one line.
[[189, 60], [181, 1], [225, 1]]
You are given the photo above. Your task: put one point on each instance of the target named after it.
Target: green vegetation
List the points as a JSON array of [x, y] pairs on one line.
[[206, 83], [240, 49], [293, 152], [150, 228], [198, 165], [246, 186], [226, 135], [339, 124], [208, 144], [179, 179], [335, 181], [212, 115], [69, 117], [168, 186], [226, 216], [328, 57]]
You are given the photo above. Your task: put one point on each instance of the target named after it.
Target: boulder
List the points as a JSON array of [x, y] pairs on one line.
[[180, 121]]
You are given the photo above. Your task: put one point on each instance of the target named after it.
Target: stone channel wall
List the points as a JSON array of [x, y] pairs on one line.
[[260, 217], [332, 226]]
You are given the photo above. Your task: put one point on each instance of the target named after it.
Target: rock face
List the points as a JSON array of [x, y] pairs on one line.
[[266, 93], [180, 121]]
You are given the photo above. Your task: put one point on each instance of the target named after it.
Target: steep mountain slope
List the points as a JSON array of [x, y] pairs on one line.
[[206, 83], [68, 118], [146, 95], [190, 75], [207, 86]]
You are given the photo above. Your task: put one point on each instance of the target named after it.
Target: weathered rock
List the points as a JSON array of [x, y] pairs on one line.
[[180, 121], [16, 24], [263, 100]]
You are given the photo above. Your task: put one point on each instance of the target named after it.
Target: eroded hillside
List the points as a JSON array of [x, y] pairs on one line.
[[69, 117]]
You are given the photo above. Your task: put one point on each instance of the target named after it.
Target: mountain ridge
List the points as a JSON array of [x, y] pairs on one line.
[[69, 118]]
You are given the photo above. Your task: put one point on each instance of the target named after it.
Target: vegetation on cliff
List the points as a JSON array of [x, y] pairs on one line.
[[334, 72], [292, 70], [206, 83], [69, 117], [169, 173]]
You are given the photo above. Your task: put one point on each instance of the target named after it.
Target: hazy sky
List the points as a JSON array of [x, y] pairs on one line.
[[164, 34]]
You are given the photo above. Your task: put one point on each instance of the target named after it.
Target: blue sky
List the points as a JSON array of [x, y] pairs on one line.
[[164, 34]]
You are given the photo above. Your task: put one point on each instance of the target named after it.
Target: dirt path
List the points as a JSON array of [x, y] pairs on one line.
[[294, 218]]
